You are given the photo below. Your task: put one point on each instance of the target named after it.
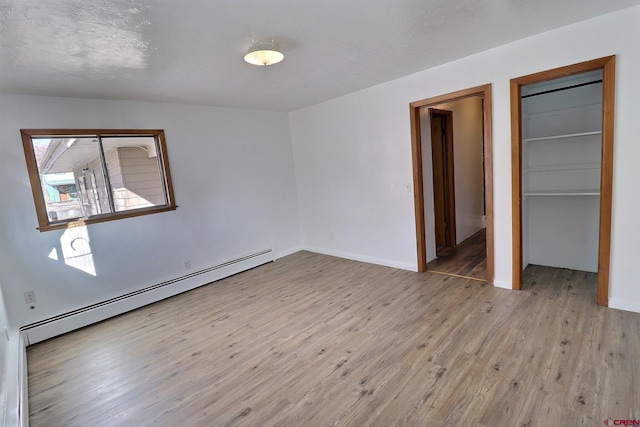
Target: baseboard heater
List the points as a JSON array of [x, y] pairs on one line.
[[66, 322]]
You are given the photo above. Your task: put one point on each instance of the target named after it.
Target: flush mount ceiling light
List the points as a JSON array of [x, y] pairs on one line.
[[263, 54]]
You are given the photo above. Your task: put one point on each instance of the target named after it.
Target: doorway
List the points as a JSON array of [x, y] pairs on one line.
[[526, 188], [424, 234], [444, 199]]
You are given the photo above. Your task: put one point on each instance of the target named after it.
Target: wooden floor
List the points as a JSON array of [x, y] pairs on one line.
[[468, 259], [313, 340]]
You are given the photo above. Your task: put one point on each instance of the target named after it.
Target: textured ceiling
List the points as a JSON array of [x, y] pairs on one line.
[[191, 51]]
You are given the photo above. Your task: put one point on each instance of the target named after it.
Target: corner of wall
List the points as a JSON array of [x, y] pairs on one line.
[[501, 284], [286, 252], [357, 257], [14, 398], [624, 304]]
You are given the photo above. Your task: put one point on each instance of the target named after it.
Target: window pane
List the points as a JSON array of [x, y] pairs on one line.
[[71, 175], [134, 172], [96, 175]]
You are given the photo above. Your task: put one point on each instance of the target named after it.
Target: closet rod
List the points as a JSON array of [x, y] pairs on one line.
[[562, 88]]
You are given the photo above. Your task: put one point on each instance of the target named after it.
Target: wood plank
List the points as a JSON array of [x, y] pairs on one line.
[[317, 340], [469, 258]]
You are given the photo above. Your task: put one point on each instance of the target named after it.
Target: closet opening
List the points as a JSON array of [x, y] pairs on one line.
[[452, 168], [562, 166]]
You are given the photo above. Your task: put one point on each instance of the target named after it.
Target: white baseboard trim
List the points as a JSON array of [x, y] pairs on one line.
[[15, 409], [502, 284], [364, 258], [17, 397], [291, 251], [624, 304], [84, 316], [23, 382]]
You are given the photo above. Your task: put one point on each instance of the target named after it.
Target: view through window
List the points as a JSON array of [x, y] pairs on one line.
[[97, 176]]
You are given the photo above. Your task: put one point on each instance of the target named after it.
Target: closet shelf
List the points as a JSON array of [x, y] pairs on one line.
[[590, 192], [568, 135], [562, 167]]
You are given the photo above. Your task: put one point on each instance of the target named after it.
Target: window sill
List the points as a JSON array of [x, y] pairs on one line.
[[80, 222]]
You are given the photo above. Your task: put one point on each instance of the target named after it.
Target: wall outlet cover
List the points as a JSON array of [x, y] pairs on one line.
[[30, 297]]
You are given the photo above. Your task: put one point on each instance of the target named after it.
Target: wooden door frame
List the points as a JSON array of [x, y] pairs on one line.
[[484, 92], [607, 65], [450, 231]]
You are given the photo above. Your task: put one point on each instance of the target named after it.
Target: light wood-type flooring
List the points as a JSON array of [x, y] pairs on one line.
[[469, 258], [313, 340]]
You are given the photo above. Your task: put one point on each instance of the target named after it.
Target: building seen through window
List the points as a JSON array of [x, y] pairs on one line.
[[98, 176]]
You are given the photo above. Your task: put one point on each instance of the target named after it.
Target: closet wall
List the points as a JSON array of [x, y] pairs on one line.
[[561, 160]]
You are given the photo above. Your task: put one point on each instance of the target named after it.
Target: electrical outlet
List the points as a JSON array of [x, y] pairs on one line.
[[187, 264], [30, 297]]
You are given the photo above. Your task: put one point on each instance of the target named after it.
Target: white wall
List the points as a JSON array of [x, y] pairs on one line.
[[353, 154], [349, 186], [12, 362], [562, 231], [234, 184], [4, 360]]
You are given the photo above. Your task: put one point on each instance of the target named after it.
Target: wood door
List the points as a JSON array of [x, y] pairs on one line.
[[443, 180]]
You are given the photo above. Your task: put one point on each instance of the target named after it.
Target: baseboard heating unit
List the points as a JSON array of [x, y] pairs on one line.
[[66, 322]]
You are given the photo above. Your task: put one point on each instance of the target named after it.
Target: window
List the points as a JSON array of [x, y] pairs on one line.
[[87, 176]]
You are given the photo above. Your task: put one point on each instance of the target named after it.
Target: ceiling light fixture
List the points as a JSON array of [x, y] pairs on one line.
[[263, 54]]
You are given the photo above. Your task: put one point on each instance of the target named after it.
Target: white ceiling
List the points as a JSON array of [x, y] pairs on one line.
[[190, 51]]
